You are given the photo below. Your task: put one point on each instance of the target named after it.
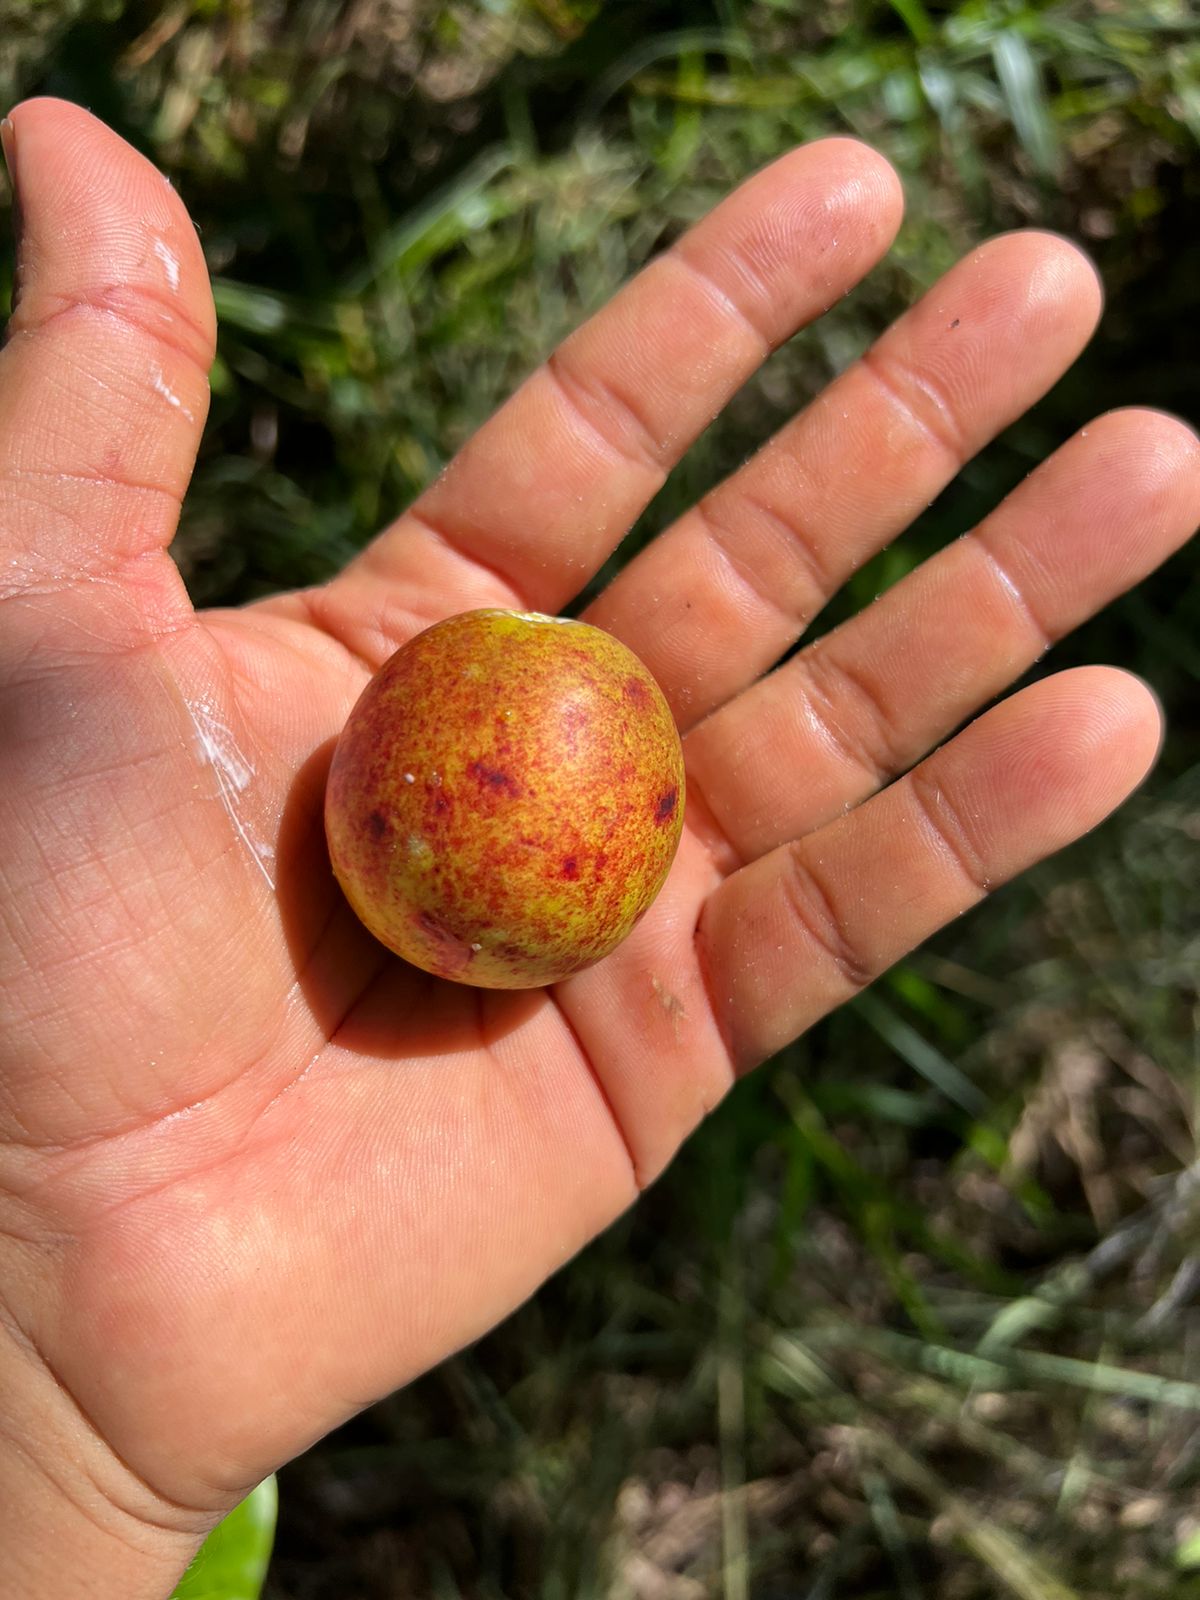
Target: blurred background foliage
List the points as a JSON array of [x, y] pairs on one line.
[[916, 1313]]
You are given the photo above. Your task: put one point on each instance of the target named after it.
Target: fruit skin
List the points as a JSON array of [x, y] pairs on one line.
[[506, 798]]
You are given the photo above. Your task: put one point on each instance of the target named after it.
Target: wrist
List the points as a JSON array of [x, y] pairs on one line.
[[75, 1521]]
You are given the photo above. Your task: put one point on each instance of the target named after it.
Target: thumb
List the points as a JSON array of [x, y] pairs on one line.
[[103, 379]]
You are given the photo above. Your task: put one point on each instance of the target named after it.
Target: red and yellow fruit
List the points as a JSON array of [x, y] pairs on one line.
[[506, 798]]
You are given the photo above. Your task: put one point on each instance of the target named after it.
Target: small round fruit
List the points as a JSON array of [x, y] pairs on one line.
[[506, 798]]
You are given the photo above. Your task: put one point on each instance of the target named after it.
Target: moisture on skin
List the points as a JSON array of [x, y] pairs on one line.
[[506, 798]]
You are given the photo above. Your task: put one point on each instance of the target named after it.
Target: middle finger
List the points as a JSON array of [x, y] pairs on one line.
[[719, 597]]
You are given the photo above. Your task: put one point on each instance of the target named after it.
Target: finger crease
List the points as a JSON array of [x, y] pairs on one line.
[[508, 592], [105, 480], [120, 304], [1006, 582], [593, 397], [724, 542], [703, 821], [932, 416], [950, 834], [812, 906], [798, 542], [725, 301], [160, 1510], [639, 1182], [107, 574], [880, 766], [323, 606], [322, 612]]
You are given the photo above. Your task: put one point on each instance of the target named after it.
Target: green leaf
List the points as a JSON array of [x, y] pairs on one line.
[[1021, 80], [915, 18], [231, 1564], [922, 1056]]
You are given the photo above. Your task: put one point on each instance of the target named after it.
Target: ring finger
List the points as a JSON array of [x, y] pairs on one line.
[[720, 596], [856, 708]]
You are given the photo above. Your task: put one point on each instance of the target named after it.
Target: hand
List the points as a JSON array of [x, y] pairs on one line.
[[254, 1172]]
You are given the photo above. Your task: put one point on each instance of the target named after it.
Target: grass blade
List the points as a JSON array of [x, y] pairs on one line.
[[1021, 81], [921, 1056]]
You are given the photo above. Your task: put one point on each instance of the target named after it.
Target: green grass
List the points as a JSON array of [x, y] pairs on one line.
[[915, 1313]]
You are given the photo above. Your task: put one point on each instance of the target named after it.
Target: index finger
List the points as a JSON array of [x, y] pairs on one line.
[[541, 495]]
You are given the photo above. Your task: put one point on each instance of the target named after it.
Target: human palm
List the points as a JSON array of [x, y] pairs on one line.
[[254, 1171]]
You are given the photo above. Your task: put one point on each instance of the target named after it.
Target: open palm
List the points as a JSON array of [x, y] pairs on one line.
[[254, 1171]]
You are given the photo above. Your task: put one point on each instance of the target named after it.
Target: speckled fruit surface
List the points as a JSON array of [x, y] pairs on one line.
[[506, 798]]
